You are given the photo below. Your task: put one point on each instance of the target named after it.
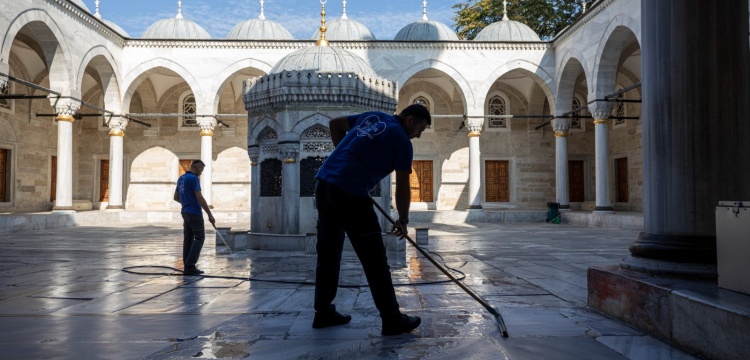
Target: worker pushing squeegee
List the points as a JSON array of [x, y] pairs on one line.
[[368, 147], [188, 194]]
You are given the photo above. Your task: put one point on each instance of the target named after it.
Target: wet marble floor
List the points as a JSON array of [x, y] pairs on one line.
[[64, 295]]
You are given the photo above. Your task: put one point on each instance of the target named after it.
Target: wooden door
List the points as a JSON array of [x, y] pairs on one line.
[[497, 180], [420, 181], [4, 170], [576, 175], [104, 181], [53, 178], [185, 166], [621, 179]]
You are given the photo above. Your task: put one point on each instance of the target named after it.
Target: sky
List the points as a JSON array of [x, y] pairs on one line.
[[301, 17]]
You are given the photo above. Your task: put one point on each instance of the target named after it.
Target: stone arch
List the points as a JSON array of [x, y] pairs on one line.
[[144, 165], [610, 49], [9, 133], [100, 58], [567, 82], [225, 76], [58, 60], [541, 76], [266, 122], [133, 79], [449, 71], [310, 121]]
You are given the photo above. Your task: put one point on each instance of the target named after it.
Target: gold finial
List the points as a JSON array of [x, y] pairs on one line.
[[322, 41]]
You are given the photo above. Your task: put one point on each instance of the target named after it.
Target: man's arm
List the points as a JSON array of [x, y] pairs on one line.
[[204, 205], [403, 201], [177, 196], [338, 128]]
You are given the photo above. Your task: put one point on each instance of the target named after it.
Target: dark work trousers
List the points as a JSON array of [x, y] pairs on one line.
[[194, 235], [340, 212]]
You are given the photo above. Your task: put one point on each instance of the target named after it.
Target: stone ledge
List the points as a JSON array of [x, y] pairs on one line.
[[691, 314]]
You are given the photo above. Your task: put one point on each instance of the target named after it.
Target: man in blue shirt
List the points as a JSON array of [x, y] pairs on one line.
[[188, 194], [368, 147]]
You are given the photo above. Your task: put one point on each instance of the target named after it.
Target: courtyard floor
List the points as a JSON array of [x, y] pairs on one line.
[[64, 295]]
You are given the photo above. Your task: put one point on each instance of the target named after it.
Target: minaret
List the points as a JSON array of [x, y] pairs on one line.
[[322, 41]]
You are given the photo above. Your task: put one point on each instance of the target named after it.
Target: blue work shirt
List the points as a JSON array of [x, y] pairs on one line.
[[187, 185], [376, 145]]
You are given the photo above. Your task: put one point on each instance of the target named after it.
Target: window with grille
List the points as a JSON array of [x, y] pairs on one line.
[[424, 101], [270, 178], [188, 109], [575, 122], [6, 104], [619, 111], [497, 107], [308, 168]]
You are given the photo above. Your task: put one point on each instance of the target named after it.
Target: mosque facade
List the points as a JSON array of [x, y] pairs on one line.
[[95, 117]]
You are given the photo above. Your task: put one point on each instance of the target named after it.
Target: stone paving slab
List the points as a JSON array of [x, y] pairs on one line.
[[63, 295]]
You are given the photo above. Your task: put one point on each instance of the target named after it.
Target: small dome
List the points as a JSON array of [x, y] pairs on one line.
[[80, 4], [116, 28], [260, 29], [426, 30], [507, 30], [323, 59], [175, 28], [345, 29]]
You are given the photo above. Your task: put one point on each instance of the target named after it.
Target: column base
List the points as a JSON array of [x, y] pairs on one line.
[[669, 269], [115, 207], [604, 209], [474, 207], [63, 209], [675, 248], [564, 207]]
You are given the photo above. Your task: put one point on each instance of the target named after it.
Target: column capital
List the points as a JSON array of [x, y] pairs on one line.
[[600, 111], [65, 109], [474, 125], [207, 125], [289, 151], [253, 151], [561, 126], [117, 126]]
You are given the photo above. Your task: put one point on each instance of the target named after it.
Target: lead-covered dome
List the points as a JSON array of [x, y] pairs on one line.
[[346, 29], [116, 28], [507, 30], [323, 59], [260, 29], [426, 30], [176, 28]]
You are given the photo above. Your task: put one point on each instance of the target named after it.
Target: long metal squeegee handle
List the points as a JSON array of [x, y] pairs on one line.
[[468, 290]]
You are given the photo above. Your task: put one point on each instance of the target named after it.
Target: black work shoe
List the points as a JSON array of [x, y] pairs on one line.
[[400, 325], [192, 271], [327, 319]]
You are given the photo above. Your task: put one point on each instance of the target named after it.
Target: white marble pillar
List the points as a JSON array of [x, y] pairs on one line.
[[561, 126], [253, 151], [116, 136], [207, 125], [601, 110], [474, 125], [385, 202], [290, 186], [65, 108]]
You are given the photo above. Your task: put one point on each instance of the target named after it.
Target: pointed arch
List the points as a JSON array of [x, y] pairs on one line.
[[449, 71], [619, 33], [533, 70], [266, 122], [134, 78]]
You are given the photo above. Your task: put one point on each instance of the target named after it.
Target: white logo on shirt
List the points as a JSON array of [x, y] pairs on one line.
[[371, 127]]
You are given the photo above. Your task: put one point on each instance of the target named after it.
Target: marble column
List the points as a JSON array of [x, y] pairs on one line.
[[207, 125], [116, 136], [601, 110], [561, 126], [474, 125], [5, 69], [253, 151], [290, 186], [696, 132], [65, 108]]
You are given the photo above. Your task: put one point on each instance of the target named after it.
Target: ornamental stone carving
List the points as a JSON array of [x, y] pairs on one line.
[[117, 126], [289, 151], [561, 125], [474, 125], [207, 125], [253, 151], [600, 110], [66, 108]]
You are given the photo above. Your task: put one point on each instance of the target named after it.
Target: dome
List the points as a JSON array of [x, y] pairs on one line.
[[260, 29], [346, 30], [175, 28], [426, 30], [116, 28], [80, 4], [507, 30], [323, 59]]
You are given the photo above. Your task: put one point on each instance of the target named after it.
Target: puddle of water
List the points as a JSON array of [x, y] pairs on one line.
[[214, 349]]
